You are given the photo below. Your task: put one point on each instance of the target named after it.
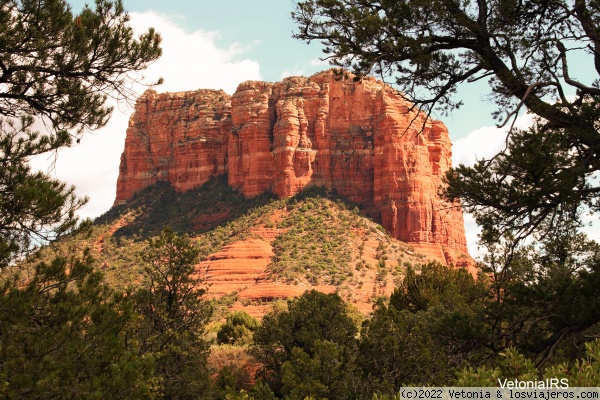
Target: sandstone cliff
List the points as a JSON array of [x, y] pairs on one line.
[[177, 137], [359, 138]]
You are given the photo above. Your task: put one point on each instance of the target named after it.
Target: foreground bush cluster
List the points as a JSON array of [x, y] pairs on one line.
[[66, 333]]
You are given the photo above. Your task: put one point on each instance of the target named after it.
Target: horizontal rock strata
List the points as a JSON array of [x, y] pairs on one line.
[[361, 139]]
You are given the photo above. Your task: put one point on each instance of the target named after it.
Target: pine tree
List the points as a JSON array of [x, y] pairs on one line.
[[65, 335], [309, 349], [56, 68], [173, 316]]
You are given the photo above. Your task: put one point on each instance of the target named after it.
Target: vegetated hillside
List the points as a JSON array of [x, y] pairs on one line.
[[256, 250]]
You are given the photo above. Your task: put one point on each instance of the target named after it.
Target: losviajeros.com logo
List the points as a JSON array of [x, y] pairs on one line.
[[550, 383]]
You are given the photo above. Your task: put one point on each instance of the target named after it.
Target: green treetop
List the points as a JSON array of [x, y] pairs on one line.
[[57, 68]]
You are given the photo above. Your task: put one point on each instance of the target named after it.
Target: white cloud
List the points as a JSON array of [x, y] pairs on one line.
[[484, 142], [190, 60], [295, 72], [308, 68], [472, 231]]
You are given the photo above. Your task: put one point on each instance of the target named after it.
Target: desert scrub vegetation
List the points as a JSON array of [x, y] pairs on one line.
[[321, 241], [214, 213], [324, 242], [315, 245], [238, 228], [198, 210], [117, 258]]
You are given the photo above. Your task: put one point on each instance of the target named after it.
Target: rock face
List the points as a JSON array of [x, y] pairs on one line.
[[361, 139], [178, 137]]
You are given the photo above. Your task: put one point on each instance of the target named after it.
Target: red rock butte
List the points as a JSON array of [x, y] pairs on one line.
[[361, 139]]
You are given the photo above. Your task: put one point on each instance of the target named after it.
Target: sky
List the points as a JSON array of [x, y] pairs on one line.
[[218, 45]]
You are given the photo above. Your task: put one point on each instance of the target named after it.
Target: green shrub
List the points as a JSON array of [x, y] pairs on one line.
[[237, 329]]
